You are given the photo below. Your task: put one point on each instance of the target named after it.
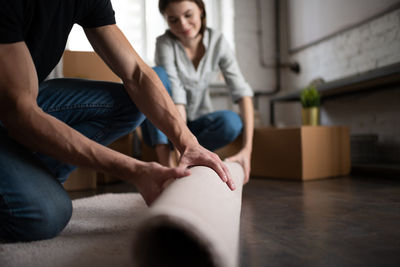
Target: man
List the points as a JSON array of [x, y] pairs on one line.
[[48, 127]]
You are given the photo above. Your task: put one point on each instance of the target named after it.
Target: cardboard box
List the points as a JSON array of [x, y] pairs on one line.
[[306, 152], [81, 179], [87, 65], [302, 153]]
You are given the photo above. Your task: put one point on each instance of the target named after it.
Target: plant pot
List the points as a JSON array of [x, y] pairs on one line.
[[310, 116]]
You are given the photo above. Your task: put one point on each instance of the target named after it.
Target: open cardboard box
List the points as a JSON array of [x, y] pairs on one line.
[[303, 153]]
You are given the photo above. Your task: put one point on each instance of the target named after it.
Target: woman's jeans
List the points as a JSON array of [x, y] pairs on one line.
[[33, 202], [213, 130]]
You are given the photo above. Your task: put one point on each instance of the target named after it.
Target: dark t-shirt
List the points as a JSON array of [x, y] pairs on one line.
[[44, 25]]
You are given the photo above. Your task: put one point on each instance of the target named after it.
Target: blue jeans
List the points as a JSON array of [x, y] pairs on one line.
[[213, 130], [33, 202]]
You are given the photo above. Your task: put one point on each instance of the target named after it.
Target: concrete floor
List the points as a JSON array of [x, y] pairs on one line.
[[346, 221]]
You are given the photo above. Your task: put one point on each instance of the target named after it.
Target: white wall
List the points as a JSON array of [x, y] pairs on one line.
[[256, 63], [371, 45], [312, 20]]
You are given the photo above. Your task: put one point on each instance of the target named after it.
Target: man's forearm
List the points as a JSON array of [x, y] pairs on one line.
[[141, 82], [182, 110], [154, 101], [43, 133]]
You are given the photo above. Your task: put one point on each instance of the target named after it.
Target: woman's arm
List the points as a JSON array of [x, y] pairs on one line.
[[241, 93], [244, 155], [247, 114]]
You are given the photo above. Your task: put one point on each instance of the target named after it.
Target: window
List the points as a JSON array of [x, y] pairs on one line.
[[141, 22]]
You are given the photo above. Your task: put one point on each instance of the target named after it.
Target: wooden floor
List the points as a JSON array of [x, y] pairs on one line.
[[347, 221]]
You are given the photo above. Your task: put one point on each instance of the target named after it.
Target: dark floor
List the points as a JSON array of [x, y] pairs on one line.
[[347, 221]]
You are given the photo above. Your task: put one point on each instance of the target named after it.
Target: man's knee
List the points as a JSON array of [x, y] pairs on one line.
[[52, 219], [38, 220]]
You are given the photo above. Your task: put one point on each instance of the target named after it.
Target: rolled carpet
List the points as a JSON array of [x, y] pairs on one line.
[[195, 222]]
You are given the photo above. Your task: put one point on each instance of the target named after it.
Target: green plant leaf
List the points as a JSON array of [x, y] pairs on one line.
[[310, 97]]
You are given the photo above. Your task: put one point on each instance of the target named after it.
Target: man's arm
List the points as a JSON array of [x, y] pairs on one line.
[[140, 81], [30, 126], [182, 110], [147, 92]]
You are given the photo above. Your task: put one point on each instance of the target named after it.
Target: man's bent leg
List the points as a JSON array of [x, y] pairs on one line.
[[102, 111], [33, 204]]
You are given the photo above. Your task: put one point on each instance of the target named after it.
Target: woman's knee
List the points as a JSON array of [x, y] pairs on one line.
[[231, 125], [162, 74], [41, 218]]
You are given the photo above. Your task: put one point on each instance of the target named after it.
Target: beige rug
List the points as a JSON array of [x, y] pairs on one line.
[[99, 234], [195, 222]]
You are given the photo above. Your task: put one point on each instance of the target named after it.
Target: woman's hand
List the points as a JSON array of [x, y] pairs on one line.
[[244, 159], [198, 155]]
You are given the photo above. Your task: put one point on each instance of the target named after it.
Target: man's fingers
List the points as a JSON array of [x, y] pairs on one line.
[[180, 172], [183, 165], [225, 175], [231, 185], [214, 162], [219, 169]]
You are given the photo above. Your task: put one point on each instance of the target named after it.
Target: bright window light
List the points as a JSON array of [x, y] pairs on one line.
[[141, 22]]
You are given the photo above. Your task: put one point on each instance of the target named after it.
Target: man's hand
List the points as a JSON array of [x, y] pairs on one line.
[[151, 178], [198, 155], [243, 158]]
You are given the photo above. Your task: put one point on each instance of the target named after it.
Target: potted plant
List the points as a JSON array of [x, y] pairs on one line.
[[311, 101]]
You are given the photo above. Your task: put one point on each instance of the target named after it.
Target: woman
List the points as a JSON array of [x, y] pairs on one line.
[[192, 55]]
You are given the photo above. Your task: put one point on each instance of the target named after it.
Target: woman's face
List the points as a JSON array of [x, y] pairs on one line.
[[184, 19]]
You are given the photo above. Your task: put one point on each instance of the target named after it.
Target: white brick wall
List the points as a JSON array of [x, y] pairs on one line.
[[247, 46], [372, 45], [375, 113]]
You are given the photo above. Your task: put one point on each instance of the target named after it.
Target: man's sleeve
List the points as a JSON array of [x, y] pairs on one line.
[[11, 21], [97, 13]]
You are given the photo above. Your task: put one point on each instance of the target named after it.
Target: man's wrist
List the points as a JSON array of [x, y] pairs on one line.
[[186, 142]]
